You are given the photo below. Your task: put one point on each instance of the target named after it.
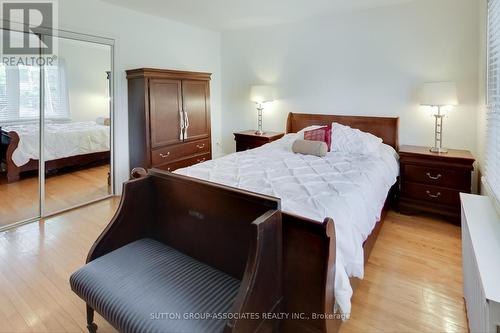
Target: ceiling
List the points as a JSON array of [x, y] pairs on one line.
[[223, 15]]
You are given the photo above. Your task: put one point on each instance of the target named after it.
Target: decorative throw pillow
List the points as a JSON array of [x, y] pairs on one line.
[[307, 147], [323, 134], [300, 134]]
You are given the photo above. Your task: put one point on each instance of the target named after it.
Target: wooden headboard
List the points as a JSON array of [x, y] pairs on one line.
[[385, 128]]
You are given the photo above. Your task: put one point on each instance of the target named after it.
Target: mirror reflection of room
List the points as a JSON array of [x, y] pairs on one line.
[[19, 117], [76, 132], [77, 125]]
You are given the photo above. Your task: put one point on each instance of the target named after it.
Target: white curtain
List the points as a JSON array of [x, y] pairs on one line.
[[492, 172]]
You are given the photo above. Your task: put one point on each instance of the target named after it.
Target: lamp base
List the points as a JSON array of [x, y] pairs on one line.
[[259, 132], [438, 150]]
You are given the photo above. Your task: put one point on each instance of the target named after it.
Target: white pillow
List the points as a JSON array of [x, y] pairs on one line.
[[351, 140]]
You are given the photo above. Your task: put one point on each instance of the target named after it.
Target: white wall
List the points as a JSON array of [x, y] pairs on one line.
[[362, 63], [86, 66], [145, 41]]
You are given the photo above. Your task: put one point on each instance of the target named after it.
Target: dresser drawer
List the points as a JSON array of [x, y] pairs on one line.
[[184, 163], [445, 177], [431, 194], [175, 152]]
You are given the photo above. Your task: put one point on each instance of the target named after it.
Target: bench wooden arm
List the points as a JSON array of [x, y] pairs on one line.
[[131, 222], [260, 292]]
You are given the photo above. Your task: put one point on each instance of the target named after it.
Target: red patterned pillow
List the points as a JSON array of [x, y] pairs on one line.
[[323, 134]]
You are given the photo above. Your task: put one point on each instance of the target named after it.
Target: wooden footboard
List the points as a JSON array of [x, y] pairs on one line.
[[309, 252], [309, 274], [13, 171]]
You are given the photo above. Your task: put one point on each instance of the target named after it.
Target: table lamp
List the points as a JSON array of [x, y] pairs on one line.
[[438, 95], [260, 95]]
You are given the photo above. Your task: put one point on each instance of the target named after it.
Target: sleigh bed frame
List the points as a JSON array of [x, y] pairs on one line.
[[309, 247], [10, 141]]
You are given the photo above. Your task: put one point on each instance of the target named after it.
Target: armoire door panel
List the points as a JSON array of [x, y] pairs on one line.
[[196, 104], [165, 98]]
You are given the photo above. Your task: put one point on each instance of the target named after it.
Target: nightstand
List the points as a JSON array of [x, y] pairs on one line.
[[431, 182], [248, 139]]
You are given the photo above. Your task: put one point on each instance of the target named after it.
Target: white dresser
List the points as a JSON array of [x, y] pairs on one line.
[[481, 263]]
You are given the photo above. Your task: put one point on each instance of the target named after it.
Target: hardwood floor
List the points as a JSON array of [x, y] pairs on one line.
[[36, 261], [413, 280], [19, 200]]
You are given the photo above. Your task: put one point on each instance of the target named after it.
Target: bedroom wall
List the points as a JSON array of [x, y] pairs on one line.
[[86, 66], [361, 63], [145, 41]]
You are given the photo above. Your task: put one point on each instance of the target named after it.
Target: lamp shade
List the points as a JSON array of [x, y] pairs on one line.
[[438, 94], [261, 94]]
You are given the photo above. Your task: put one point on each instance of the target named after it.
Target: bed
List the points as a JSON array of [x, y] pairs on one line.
[[320, 269], [66, 144]]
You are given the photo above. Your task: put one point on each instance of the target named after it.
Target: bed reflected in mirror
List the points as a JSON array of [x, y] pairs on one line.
[[72, 138], [77, 134]]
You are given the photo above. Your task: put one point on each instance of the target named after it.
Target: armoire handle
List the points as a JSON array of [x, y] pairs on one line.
[[186, 124], [181, 113]]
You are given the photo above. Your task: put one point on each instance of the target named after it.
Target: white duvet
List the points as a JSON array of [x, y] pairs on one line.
[[61, 140], [350, 188]]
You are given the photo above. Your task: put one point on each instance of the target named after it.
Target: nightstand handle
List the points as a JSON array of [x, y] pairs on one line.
[[434, 177], [437, 195]]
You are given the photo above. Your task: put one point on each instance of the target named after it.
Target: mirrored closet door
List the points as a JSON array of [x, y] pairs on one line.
[[19, 118], [56, 129], [77, 125]]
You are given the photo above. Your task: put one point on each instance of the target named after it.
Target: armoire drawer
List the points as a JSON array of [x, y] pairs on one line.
[[174, 152], [185, 162]]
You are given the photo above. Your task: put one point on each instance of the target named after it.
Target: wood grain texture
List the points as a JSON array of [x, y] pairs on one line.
[[36, 261], [386, 128], [167, 74], [62, 191], [464, 156], [189, 216], [432, 182], [413, 279], [168, 110]]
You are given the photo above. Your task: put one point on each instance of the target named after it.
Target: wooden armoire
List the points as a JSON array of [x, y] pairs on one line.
[[169, 118]]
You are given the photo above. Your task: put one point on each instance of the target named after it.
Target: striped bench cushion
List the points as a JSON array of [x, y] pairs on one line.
[[147, 286]]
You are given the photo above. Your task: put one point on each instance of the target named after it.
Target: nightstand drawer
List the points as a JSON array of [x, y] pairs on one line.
[[246, 145], [446, 177], [431, 194]]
